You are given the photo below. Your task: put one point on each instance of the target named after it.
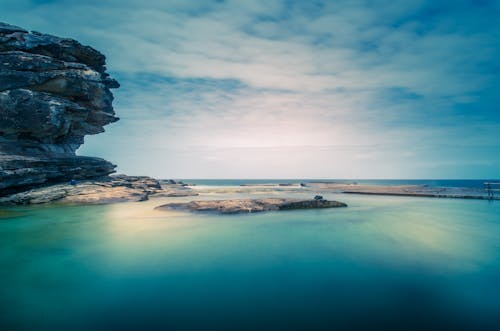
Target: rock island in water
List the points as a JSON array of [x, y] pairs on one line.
[[236, 206]]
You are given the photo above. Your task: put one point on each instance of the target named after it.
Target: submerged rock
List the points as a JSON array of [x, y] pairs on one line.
[[251, 205], [53, 92]]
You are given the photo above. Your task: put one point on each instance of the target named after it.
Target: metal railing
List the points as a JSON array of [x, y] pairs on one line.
[[491, 188]]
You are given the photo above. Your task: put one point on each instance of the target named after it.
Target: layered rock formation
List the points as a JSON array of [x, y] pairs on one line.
[[110, 189], [53, 92], [104, 190]]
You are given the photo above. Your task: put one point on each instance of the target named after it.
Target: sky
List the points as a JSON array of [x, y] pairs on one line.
[[291, 89]]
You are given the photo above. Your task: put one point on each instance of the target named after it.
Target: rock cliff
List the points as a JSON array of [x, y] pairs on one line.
[[53, 92]]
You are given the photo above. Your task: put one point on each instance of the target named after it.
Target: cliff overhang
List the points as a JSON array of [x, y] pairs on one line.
[[53, 92]]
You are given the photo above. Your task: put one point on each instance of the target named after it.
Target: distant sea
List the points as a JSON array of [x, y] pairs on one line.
[[469, 183]]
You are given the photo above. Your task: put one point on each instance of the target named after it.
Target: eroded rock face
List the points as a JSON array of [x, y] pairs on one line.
[[53, 92]]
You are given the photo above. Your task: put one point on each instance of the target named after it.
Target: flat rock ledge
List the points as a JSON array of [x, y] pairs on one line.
[[423, 191], [110, 189], [239, 206]]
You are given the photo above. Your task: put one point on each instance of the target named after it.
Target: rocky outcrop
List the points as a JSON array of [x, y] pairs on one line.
[[103, 190], [53, 92], [109, 189], [238, 206], [20, 173]]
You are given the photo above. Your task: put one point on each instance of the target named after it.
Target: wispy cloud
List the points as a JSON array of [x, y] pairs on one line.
[[369, 80]]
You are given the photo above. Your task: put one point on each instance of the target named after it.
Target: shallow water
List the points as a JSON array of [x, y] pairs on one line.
[[382, 263]]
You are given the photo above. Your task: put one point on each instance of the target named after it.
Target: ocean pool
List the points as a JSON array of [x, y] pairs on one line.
[[382, 263]]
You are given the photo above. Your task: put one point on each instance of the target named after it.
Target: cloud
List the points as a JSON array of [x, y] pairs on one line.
[[264, 75]]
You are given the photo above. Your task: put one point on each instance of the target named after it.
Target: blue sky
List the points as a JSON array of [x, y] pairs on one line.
[[291, 89]]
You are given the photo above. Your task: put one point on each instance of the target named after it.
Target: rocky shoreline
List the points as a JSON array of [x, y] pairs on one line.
[[111, 189], [54, 91]]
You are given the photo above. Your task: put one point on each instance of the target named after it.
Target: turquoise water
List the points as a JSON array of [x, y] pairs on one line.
[[382, 263]]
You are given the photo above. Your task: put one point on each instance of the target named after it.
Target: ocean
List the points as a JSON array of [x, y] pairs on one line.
[[383, 263], [468, 183]]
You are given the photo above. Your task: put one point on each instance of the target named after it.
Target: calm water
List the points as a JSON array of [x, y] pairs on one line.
[[382, 263]]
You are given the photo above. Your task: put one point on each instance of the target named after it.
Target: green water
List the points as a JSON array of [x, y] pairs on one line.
[[382, 263]]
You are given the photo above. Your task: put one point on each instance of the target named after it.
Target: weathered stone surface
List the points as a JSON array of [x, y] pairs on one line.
[[13, 38], [53, 92], [103, 190], [20, 173], [251, 205]]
